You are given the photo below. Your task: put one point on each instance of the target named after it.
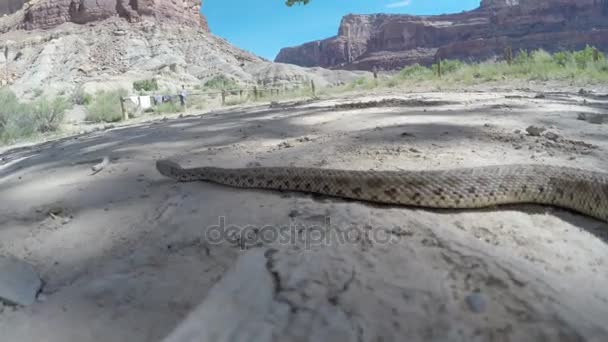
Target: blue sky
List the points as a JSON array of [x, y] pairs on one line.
[[265, 26]]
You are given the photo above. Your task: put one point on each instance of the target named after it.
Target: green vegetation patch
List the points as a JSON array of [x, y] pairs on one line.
[[22, 120], [221, 82], [585, 65], [145, 85], [168, 107], [105, 106]]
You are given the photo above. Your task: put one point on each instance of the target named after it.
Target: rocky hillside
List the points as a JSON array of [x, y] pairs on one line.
[[34, 14], [390, 41], [57, 46]]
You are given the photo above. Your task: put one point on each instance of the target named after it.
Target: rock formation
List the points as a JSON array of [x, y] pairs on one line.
[[34, 14], [391, 41], [58, 46]]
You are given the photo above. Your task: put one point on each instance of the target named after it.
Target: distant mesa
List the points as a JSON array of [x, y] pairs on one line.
[[391, 41]]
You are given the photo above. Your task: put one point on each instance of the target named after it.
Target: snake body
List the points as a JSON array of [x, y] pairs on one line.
[[468, 188]]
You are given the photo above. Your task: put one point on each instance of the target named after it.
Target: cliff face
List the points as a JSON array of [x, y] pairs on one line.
[[35, 14], [390, 41], [44, 46]]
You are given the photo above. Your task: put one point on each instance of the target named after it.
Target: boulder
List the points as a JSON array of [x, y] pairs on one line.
[[19, 282]]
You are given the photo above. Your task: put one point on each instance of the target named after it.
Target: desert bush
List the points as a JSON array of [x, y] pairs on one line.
[[585, 65], [80, 97], [522, 57], [541, 57], [449, 66], [363, 83], [415, 71], [221, 82], [168, 107], [563, 58], [21, 120], [235, 101], [105, 106], [48, 114], [145, 85]]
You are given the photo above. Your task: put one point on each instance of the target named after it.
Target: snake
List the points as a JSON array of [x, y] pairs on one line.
[[582, 191]]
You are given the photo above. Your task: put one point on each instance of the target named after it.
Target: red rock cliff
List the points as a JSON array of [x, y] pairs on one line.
[[34, 14], [391, 41]]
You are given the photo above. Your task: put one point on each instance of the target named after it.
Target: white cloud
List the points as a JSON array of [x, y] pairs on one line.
[[398, 4]]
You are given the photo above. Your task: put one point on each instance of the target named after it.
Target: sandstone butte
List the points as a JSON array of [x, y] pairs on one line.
[[391, 41]]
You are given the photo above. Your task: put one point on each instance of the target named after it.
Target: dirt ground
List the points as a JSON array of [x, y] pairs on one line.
[[127, 255]]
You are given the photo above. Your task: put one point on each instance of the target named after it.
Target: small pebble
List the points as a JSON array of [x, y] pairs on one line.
[[476, 302], [552, 136], [535, 131]]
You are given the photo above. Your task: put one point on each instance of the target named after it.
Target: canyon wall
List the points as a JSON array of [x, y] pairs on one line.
[[44, 14], [391, 41]]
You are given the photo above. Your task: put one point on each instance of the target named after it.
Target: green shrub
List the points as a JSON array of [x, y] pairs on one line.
[[145, 85], [562, 58], [522, 57], [221, 82], [80, 97], [449, 66], [48, 114], [584, 58], [415, 71], [105, 106], [363, 83], [168, 107], [21, 120]]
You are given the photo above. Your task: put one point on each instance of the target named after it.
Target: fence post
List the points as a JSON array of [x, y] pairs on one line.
[[439, 67], [6, 62], [312, 86], [509, 55], [125, 115], [255, 93], [223, 97], [596, 55]]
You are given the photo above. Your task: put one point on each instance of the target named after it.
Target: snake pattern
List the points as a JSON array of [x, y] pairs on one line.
[[579, 190]]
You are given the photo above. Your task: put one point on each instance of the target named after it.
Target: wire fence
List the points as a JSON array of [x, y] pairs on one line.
[[202, 99]]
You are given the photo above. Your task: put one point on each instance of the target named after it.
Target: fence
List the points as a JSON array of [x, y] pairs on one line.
[[225, 96]]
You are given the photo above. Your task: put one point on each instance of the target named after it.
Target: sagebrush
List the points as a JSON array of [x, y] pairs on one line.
[[145, 85], [21, 120], [106, 106]]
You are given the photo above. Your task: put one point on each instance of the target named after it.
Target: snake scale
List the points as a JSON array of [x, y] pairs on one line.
[[583, 191]]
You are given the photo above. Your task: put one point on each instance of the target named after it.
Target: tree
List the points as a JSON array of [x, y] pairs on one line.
[[293, 2]]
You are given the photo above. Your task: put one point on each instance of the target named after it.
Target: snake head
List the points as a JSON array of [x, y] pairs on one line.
[[168, 168]]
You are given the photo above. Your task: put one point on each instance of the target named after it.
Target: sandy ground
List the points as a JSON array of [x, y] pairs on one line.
[[127, 255]]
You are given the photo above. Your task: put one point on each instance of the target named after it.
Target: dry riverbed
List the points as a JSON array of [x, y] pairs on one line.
[[127, 255]]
